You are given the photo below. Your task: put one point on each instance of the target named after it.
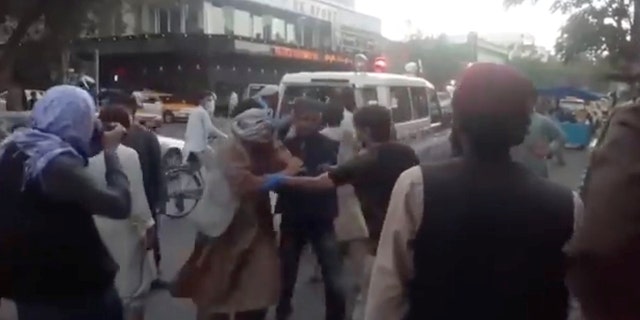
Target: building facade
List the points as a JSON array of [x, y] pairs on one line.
[[212, 44]]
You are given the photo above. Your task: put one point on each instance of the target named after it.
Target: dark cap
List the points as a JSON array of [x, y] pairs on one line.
[[489, 88]]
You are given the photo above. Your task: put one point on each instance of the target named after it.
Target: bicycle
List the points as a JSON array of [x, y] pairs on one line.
[[187, 192]]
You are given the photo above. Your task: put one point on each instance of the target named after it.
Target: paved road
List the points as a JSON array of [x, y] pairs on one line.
[[177, 239]]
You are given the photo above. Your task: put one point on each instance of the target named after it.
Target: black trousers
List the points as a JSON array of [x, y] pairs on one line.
[[322, 238]]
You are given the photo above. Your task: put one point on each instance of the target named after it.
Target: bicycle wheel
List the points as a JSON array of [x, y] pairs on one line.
[[185, 189]]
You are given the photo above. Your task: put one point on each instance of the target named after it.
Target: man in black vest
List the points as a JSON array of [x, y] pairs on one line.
[[490, 244]]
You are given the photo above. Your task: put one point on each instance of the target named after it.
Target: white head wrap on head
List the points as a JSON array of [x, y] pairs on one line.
[[253, 125]]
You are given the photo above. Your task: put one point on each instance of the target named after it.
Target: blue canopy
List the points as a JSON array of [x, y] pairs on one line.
[[565, 92]]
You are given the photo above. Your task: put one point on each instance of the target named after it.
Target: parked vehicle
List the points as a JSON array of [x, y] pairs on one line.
[[409, 98]]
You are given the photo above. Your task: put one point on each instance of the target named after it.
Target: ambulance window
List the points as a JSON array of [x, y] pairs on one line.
[[400, 104], [434, 107], [369, 95], [420, 102]]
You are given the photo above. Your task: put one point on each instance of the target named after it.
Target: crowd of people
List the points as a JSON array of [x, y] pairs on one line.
[[475, 231]]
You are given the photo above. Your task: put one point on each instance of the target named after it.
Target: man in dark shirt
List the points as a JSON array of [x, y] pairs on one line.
[[308, 215], [146, 144], [53, 263], [373, 172]]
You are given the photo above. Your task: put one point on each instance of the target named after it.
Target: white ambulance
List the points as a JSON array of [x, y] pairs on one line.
[[413, 101]]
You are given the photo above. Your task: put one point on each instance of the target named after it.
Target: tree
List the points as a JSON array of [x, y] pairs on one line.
[[578, 73], [596, 29], [55, 22], [441, 59]]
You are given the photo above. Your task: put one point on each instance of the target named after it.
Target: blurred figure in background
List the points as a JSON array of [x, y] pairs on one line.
[[200, 129], [131, 240], [233, 102], [56, 266], [544, 139]]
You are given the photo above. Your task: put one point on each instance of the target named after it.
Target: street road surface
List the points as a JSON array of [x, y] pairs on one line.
[[177, 238]]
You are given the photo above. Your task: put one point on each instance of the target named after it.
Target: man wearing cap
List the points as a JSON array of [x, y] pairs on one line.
[[479, 236]]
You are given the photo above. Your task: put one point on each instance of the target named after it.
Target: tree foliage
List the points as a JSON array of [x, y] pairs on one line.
[[441, 59], [597, 29], [52, 24]]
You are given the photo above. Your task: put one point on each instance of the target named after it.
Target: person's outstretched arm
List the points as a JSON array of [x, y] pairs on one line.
[[211, 129], [66, 179]]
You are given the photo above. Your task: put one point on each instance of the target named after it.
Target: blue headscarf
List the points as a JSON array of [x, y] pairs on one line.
[[62, 122]]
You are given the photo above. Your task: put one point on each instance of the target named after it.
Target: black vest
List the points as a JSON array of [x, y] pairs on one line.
[[48, 250], [491, 245]]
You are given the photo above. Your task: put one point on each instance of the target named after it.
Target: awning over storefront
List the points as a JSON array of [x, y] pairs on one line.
[[566, 92]]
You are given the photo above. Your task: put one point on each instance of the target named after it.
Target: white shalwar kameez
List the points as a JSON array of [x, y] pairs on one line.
[[125, 239]]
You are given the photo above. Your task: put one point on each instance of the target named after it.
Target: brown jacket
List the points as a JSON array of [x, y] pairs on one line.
[[238, 271], [605, 252]]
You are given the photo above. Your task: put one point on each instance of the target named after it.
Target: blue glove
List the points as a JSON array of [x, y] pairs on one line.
[[272, 182]]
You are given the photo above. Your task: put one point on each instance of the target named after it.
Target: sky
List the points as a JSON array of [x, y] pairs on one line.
[[458, 17]]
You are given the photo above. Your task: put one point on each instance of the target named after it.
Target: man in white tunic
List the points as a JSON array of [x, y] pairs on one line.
[[126, 239]]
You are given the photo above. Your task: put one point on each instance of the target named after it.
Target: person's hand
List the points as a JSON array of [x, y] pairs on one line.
[[150, 238], [325, 167], [112, 138], [294, 166], [541, 150]]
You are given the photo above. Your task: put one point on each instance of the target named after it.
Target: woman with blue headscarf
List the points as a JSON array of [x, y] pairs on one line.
[[53, 263]]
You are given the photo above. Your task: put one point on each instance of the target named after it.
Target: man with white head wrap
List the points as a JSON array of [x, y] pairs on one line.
[[236, 276]]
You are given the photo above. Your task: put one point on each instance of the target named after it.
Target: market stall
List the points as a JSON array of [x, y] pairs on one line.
[[572, 114]]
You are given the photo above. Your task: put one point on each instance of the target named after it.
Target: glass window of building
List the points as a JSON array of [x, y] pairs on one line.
[[162, 21], [194, 19], [258, 27], [278, 30], [291, 33], [175, 19], [267, 23], [228, 13], [242, 23], [214, 19]]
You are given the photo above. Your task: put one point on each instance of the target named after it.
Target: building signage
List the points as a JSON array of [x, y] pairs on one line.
[[300, 54], [338, 15], [316, 10]]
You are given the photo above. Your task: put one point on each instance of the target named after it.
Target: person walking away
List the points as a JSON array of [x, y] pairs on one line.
[[236, 275], [544, 138], [308, 216], [233, 101], [372, 173], [33, 98], [53, 263], [478, 236], [145, 143], [129, 241], [603, 254]]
